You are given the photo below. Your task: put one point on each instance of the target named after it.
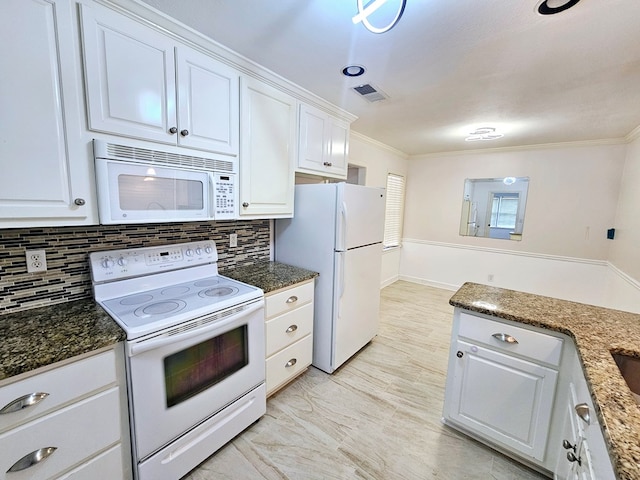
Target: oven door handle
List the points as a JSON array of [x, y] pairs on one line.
[[165, 339]]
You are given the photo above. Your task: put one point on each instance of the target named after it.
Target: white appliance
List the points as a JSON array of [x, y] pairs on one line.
[[469, 218], [137, 185], [337, 231], [195, 352]]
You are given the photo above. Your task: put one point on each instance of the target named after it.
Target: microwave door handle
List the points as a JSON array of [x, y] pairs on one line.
[[212, 196], [146, 345]]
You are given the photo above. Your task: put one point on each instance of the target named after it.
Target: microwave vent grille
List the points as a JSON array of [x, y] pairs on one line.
[[127, 153]]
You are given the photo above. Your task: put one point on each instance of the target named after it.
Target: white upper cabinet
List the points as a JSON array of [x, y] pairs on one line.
[[267, 158], [43, 180], [323, 143], [142, 84]]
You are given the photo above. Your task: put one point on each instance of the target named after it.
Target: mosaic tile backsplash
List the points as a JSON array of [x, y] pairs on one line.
[[67, 252]]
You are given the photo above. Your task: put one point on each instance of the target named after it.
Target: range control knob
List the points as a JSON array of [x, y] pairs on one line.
[[188, 252], [198, 251], [122, 261], [208, 249], [107, 262]]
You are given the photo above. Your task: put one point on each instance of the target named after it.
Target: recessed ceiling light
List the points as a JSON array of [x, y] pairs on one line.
[[551, 7], [484, 133], [353, 70]]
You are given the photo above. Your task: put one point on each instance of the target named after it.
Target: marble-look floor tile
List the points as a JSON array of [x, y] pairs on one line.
[[378, 417]]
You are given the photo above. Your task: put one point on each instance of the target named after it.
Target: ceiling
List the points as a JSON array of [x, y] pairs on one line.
[[448, 67]]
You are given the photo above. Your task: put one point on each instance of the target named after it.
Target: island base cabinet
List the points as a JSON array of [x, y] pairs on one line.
[[502, 398]]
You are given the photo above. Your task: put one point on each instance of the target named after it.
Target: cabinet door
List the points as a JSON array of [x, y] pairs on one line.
[[502, 398], [267, 151], [130, 77], [323, 143], [41, 161], [208, 103]]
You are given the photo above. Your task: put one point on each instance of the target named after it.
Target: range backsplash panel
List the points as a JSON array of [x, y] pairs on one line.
[[67, 253]]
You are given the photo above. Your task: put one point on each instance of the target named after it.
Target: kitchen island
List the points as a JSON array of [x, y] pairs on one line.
[[597, 332]]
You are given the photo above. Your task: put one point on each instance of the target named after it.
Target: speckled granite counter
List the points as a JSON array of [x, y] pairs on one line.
[[42, 336], [270, 276], [597, 333]]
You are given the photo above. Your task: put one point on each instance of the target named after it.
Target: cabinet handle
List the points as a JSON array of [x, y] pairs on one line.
[[79, 202], [459, 354], [292, 328], [504, 337], [566, 444], [32, 459], [582, 410], [572, 458], [245, 204], [292, 299], [25, 401], [184, 132], [327, 164], [291, 363], [173, 130]]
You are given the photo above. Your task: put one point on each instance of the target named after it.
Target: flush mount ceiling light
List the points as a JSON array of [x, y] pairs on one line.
[[483, 133], [366, 11], [509, 180], [353, 70], [551, 7]]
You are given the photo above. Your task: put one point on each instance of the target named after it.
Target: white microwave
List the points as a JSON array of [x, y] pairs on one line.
[[137, 185]]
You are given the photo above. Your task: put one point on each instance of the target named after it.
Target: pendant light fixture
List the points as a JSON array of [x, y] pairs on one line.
[[366, 11], [551, 7]]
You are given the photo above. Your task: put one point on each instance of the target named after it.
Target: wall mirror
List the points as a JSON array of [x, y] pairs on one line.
[[494, 207]]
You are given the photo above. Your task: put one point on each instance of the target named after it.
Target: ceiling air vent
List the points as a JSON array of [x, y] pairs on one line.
[[370, 93]]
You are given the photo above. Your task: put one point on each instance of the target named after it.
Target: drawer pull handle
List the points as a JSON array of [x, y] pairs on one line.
[[292, 299], [291, 329], [31, 459], [504, 337], [291, 363], [582, 410], [24, 402]]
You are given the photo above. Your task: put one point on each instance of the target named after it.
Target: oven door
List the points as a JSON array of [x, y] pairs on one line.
[[183, 376]]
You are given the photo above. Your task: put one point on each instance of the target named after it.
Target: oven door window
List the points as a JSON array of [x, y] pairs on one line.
[[196, 368]]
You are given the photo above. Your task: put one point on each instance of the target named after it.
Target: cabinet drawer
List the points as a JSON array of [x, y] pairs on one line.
[[77, 432], [288, 328], [106, 465], [288, 299], [534, 345], [63, 384], [278, 371]]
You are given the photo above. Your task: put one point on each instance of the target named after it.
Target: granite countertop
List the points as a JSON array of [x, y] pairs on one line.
[[41, 336], [597, 333], [270, 276]]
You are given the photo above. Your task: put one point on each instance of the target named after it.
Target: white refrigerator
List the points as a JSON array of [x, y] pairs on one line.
[[337, 231]]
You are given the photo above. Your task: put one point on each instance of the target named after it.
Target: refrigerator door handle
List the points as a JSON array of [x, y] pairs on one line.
[[340, 276], [342, 229]]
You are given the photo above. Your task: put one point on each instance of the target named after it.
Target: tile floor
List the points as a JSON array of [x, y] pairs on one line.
[[377, 417]]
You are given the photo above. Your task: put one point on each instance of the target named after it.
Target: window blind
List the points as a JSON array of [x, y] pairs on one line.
[[394, 210]]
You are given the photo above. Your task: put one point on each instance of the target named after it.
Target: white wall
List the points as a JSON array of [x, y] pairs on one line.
[[379, 160], [573, 197]]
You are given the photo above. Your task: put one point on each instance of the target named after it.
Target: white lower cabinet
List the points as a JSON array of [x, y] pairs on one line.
[[289, 334], [67, 422], [501, 397], [582, 450]]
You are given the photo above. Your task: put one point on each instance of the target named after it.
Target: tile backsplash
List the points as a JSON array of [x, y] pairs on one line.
[[67, 252]]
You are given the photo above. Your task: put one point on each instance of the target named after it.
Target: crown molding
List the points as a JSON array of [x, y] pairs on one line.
[[378, 144]]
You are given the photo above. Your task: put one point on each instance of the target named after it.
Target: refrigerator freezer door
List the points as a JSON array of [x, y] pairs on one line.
[[357, 305], [360, 218]]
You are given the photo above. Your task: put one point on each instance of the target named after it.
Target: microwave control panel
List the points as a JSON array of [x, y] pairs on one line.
[[224, 197]]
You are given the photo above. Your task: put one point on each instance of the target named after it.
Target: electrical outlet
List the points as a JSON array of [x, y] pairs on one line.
[[36, 261], [233, 240]]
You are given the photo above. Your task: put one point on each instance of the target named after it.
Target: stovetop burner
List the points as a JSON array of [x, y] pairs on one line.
[[150, 289]]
